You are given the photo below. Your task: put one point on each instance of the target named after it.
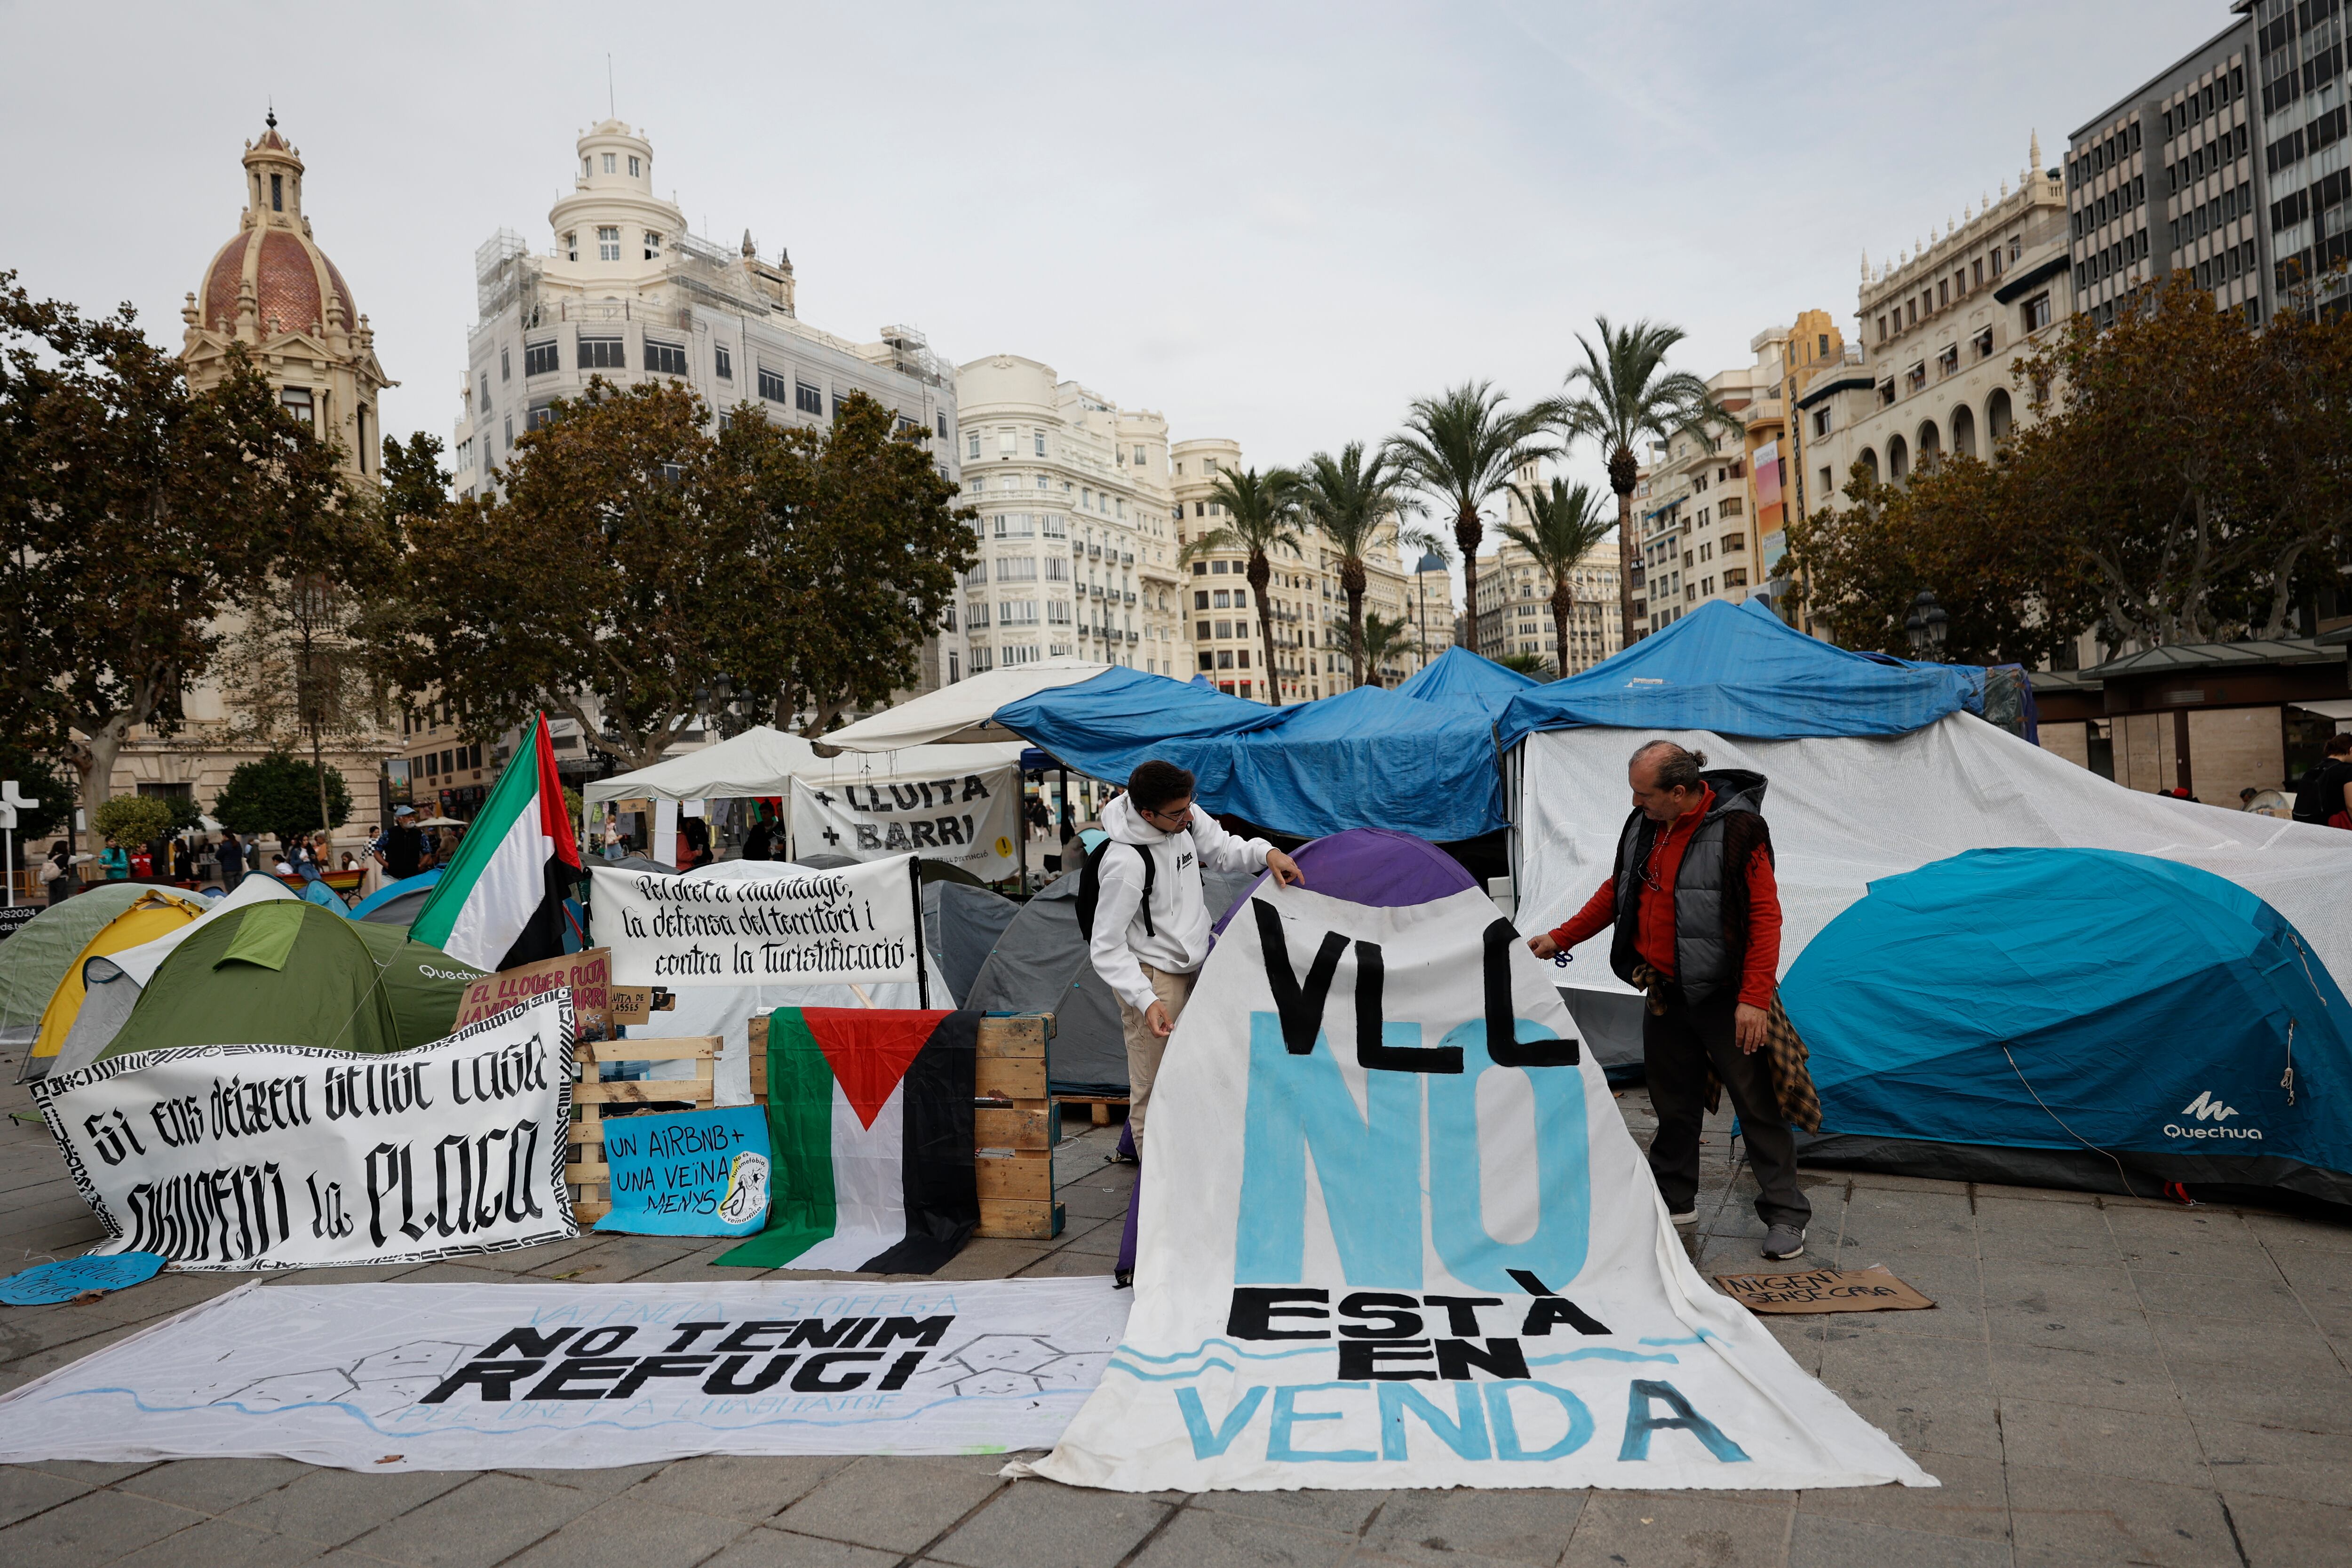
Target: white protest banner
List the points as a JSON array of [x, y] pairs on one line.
[[970, 820], [762, 922], [1395, 1234], [491, 1376], [236, 1157]]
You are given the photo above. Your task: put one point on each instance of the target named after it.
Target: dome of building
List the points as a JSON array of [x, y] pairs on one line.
[[294, 288]]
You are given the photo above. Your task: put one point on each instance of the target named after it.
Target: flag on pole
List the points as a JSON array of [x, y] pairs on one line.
[[870, 1132], [500, 902]]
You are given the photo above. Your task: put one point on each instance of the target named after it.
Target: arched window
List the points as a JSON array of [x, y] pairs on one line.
[[1898, 458], [1998, 420], [1870, 461], [1931, 444], [1964, 432]]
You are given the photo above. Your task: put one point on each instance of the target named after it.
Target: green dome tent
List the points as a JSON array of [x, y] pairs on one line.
[[291, 973]]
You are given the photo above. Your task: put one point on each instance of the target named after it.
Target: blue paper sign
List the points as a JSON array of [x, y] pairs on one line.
[[703, 1172], [70, 1277]]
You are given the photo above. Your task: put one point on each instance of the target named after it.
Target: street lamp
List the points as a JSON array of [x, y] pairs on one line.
[[1927, 626]]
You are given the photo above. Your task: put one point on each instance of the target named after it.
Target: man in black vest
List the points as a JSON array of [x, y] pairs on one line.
[[1699, 922]]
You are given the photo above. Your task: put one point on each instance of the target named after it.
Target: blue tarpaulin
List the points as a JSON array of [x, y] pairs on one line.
[[1368, 758], [1740, 671], [1459, 676], [2020, 1014]]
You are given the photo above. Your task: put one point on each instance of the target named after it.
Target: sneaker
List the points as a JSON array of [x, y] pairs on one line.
[[1684, 1218], [1784, 1241]]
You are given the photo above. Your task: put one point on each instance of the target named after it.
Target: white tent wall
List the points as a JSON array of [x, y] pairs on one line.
[[1845, 810]]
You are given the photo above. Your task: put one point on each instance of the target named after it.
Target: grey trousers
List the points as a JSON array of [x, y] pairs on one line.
[[1678, 1045]]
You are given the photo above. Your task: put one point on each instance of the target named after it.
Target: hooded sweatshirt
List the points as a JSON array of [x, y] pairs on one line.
[[1179, 939]]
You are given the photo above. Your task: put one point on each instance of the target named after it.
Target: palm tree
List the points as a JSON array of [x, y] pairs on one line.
[[1261, 517], [1525, 663], [1380, 640], [1628, 394], [1352, 502], [1563, 527], [1462, 448], [1424, 542]]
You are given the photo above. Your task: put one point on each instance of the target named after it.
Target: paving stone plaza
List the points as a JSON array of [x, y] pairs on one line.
[[2101, 1381]]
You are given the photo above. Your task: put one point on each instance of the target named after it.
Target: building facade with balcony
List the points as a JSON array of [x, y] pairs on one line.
[[1077, 544], [2172, 177], [1304, 598]]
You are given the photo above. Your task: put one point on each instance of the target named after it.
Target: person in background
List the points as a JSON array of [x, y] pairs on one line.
[[400, 847], [1150, 956], [183, 861], [58, 872], [113, 861], [231, 856], [2324, 795], [1696, 845], [283, 866], [143, 863]]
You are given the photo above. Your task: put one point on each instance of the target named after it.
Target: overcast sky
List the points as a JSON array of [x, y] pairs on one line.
[[1273, 222]]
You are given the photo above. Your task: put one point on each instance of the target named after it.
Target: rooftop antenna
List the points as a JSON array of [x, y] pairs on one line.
[[611, 112]]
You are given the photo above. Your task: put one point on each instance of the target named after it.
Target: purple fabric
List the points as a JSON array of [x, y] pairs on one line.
[[1373, 866], [1126, 1265]]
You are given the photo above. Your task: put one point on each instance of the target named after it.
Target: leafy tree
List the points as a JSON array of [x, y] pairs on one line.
[[1627, 392], [1262, 513], [130, 512], [844, 549], [1355, 504], [1382, 640], [131, 819], [1968, 531], [1565, 525], [280, 794], [637, 565], [1462, 448], [2199, 469]]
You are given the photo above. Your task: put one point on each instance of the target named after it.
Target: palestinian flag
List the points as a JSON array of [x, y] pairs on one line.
[[869, 1123], [500, 902]]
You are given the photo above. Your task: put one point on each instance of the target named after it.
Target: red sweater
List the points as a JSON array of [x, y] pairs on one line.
[[1654, 937]]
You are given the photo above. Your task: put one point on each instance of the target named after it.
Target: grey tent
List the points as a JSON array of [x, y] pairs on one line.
[[1040, 964]]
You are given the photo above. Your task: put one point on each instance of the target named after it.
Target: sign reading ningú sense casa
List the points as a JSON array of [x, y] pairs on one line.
[[236, 1157], [971, 821], [1396, 1235], [761, 922], [449, 1376]]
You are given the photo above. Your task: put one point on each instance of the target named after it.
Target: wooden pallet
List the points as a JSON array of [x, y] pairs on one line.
[[1102, 1109], [589, 1098], [1015, 1125]]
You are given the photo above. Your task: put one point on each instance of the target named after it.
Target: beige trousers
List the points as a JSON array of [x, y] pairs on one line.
[[1145, 1049]]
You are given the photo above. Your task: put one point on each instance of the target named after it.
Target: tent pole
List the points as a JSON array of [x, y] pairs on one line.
[[1021, 836]]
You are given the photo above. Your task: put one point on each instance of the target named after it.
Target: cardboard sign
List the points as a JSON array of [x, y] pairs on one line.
[[589, 974], [1871, 1290], [704, 1172], [634, 1004]]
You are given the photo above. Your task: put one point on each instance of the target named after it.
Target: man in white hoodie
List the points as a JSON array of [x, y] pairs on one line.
[[1149, 954]]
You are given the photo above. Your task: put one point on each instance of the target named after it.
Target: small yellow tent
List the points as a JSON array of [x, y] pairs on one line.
[[153, 913]]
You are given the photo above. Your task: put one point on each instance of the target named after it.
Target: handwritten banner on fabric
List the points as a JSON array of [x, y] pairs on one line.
[[761, 922], [236, 1157], [701, 1173], [969, 820], [461, 1377], [1396, 1235], [588, 976]]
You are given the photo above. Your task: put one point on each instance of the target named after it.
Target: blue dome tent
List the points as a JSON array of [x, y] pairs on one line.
[[2081, 1018]]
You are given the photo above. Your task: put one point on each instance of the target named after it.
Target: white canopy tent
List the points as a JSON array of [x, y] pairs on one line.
[[1845, 810], [763, 762], [962, 712]]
